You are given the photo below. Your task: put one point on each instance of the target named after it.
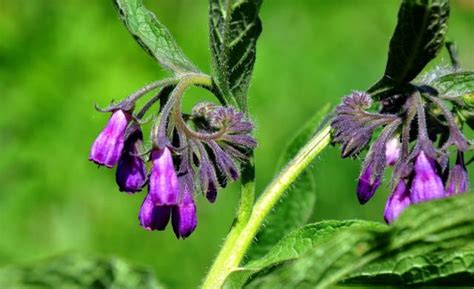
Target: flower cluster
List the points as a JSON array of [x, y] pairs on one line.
[[417, 132], [212, 150]]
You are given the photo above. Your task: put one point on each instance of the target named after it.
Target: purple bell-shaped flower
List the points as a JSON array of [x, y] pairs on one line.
[[426, 184], [131, 170], [108, 146]]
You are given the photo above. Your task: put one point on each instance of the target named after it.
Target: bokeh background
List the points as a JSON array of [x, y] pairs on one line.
[[57, 58]]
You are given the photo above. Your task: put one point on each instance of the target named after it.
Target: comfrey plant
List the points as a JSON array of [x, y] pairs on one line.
[[179, 155], [415, 126], [420, 121], [420, 174]]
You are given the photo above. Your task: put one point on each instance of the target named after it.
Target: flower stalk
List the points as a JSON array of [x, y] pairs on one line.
[[243, 232]]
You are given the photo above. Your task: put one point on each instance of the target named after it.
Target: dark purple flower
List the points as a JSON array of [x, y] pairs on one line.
[[153, 217], [163, 185], [131, 169], [458, 179], [108, 146], [184, 217], [427, 184], [398, 201], [392, 151], [368, 184]]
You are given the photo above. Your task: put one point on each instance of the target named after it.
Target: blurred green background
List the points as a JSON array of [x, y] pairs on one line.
[[59, 57]]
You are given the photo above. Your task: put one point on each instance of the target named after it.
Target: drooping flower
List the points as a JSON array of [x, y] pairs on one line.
[[392, 151], [108, 146], [184, 218], [213, 149], [458, 179], [367, 185], [427, 184], [153, 217], [163, 183], [417, 132], [131, 170], [397, 202]]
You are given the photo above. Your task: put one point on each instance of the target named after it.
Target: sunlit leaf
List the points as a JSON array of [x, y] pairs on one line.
[[292, 246], [153, 36], [440, 226]]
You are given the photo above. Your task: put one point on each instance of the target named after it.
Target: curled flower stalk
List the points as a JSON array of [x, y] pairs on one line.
[[417, 134], [188, 154]]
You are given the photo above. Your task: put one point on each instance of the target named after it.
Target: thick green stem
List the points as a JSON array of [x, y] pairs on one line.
[[242, 233]]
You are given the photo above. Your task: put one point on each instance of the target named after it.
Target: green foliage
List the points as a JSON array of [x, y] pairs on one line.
[[153, 36], [234, 28], [291, 247], [455, 84], [454, 267], [436, 227], [418, 37], [52, 72], [458, 85], [77, 272], [296, 207]]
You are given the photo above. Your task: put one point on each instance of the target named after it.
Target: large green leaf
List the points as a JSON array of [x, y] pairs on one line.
[[455, 84], [153, 36], [292, 246], [77, 272], [440, 226], [418, 37], [296, 206], [439, 268], [234, 28]]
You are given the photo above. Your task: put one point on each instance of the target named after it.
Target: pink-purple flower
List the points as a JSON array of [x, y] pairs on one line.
[[426, 183], [152, 216], [108, 146], [392, 151], [368, 184], [397, 202], [163, 184], [184, 218], [131, 173], [458, 180]]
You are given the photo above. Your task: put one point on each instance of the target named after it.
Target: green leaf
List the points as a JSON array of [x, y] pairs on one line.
[[296, 206], [418, 37], [292, 246], [456, 84], [234, 28], [455, 267], [438, 226], [153, 36], [77, 272]]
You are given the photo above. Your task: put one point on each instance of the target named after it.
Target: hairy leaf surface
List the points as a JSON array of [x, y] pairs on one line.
[[436, 227], [234, 28], [153, 36], [455, 84], [292, 246], [416, 268], [418, 37]]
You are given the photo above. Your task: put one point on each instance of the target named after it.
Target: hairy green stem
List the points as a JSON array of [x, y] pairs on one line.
[[248, 224]]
